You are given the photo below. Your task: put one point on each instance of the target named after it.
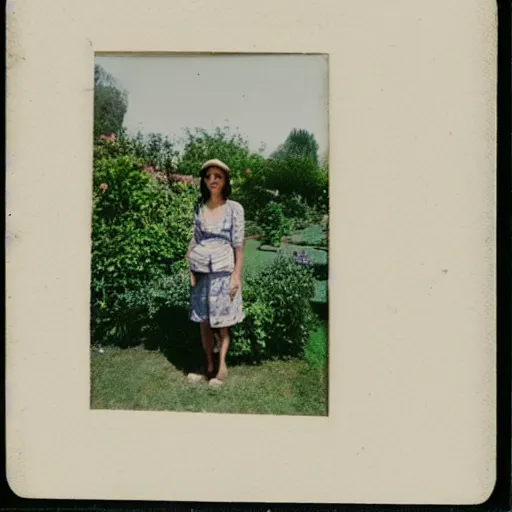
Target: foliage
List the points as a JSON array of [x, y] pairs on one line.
[[139, 224], [299, 143], [159, 311], [110, 103], [298, 211], [252, 229], [297, 175], [155, 150], [232, 149], [251, 191], [276, 304], [274, 224], [278, 312]]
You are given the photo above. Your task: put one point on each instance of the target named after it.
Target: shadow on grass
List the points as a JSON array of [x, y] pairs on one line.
[[171, 332], [321, 271], [268, 248], [321, 310]]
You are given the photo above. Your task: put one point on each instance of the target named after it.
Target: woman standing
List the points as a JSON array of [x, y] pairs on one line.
[[215, 256]]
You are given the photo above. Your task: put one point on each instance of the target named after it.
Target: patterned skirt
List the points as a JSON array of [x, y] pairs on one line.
[[211, 302]]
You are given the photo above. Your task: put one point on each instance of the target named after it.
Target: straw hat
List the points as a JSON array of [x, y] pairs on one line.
[[215, 163]]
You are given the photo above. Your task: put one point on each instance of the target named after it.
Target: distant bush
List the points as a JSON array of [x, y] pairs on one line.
[[293, 175], [300, 213], [295, 182], [252, 229], [274, 224]]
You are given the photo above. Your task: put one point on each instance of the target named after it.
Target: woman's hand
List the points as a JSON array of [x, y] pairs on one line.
[[193, 280], [234, 286]]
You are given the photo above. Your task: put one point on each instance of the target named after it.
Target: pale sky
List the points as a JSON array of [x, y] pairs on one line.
[[261, 97]]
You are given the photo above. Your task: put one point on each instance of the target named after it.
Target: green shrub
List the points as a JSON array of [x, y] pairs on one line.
[[158, 314], [138, 226], [297, 175], [274, 224], [299, 185], [250, 190], [276, 304], [300, 213], [252, 229]]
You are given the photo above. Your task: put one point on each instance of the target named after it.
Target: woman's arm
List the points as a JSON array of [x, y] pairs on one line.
[[238, 248], [239, 262]]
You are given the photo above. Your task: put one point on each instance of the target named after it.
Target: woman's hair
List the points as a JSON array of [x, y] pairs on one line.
[[226, 189]]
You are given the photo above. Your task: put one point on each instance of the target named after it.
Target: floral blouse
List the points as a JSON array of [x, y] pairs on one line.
[[212, 246]]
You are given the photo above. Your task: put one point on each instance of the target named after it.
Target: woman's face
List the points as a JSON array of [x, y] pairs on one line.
[[215, 180]]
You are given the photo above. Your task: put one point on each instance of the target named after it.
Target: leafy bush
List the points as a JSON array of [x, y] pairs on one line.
[[274, 224], [158, 313], [276, 304], [297, 183], [138, 224], [300, 213], [252, 229], [297, 175], [278, 312]]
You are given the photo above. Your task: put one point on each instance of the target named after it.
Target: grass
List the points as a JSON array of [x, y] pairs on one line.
[[254, 258], [310, 236], [138, 379], [316, 350]]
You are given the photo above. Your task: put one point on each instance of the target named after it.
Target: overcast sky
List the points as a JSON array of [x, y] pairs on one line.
[[262, 97]]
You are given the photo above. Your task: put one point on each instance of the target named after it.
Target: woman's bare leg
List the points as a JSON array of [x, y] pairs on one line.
[[207, 341], [224, 346]]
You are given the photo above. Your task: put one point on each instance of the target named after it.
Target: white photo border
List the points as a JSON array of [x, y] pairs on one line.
[[412, 342]]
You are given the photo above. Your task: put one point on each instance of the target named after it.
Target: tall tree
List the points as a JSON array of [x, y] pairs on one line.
[[110, 103], [298, 143], [232, 148]]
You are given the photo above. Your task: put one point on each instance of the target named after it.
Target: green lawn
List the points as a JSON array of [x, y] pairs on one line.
[[255, 258], [138, 379], [311, 236]]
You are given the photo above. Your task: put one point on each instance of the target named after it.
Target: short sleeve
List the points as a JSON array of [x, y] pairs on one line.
[[238, 225]]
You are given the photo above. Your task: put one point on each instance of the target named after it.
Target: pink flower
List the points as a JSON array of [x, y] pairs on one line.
[[150, 169], [103, 187], [109, 138], [180, 178]]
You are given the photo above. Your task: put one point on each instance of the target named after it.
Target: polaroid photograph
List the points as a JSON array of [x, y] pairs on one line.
[[210, 234], [250, 251]]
